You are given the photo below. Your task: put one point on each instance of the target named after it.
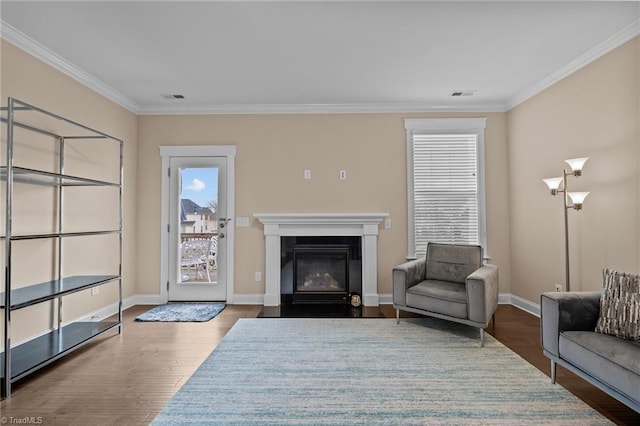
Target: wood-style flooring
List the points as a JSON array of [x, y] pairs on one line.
[[127, 379]]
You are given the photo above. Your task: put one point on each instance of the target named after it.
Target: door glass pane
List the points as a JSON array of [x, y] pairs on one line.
[[198, 225]]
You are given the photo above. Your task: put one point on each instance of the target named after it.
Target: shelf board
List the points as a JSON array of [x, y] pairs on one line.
[[44, 349], [40, 177], [37, 293], [62, 234]]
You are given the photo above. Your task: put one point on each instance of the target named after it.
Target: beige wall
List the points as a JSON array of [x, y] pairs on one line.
[[30, 80], [593, 113], [273, 151]]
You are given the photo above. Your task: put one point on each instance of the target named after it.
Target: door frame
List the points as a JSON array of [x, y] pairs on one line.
[[168, 152]]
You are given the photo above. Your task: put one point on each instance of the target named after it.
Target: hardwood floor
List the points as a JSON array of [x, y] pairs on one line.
[[127, 379]]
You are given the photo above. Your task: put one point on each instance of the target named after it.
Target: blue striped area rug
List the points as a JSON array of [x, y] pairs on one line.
[[369, 372]]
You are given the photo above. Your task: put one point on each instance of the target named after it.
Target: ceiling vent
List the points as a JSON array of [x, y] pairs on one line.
[[463, 93], [173, 96]]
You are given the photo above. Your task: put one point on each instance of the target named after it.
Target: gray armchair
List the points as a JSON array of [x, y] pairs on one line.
[[449, 283]]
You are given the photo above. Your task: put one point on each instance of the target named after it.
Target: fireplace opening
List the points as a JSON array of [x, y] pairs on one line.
[[320, 270], [321, 274]]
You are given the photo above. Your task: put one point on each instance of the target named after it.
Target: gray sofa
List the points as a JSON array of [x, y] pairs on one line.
[[568, 321], [451, 283]]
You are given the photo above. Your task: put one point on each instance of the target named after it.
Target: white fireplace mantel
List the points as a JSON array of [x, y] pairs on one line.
[[365, 225]]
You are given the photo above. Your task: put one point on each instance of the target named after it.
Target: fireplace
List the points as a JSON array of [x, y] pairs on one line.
[[278, 227], [320, 269], [320, 273]]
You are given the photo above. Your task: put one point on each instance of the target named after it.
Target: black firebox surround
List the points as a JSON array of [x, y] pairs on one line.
[[325, 296]]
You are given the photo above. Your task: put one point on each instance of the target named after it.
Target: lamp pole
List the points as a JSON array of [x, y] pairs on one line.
[[566, 231]]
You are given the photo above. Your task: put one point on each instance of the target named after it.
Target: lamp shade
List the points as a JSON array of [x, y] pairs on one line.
[[577, 199], [577, 164], [553, 184]]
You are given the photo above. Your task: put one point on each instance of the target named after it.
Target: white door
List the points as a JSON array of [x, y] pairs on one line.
[[197, 229]]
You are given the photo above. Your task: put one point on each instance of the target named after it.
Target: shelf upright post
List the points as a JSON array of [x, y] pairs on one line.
[[120, 237], [6, 388], [59, 230]]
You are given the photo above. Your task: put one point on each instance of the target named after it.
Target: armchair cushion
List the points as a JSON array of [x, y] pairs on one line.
[[454, 263], [439, 296]]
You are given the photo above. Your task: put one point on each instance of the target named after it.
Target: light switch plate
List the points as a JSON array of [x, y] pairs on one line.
[[242, 221]]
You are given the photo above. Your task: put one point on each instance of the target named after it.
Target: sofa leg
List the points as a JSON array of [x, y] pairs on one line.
[[482, 337], [397, 316], [553, 372]]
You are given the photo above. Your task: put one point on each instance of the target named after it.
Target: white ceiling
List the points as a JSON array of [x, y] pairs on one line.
[[303, 56]]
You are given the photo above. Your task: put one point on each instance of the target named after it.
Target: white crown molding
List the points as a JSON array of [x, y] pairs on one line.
[[37, 50], [625, 34], [360, 108]]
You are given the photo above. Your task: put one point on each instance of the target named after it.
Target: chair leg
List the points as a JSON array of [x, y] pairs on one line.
[[482, 337], [397, 316], [553, 372]]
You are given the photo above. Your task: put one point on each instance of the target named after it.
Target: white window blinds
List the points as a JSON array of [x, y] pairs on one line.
[[445, 189], [445, 182]]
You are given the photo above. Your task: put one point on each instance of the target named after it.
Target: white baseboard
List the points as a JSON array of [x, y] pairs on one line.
[[503, 299], [519, 302], [141, 299], [386, 298], [248, 299], [112, 309], [258, 299]]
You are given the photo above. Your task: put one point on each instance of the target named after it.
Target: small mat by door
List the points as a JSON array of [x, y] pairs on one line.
[[182, 312]]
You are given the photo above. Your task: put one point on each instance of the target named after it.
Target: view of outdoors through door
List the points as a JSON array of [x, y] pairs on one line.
[[198, 225], [197, 229]]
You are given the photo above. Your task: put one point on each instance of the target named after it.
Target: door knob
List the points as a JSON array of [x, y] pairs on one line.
[[221, 235]]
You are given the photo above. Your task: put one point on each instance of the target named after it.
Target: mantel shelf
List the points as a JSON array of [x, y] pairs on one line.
[[31, 295], [320, 218]]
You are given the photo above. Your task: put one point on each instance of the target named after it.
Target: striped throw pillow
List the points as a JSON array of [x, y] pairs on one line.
[[620, 305]]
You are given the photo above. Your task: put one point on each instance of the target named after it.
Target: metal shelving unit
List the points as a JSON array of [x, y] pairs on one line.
[[19, 361]]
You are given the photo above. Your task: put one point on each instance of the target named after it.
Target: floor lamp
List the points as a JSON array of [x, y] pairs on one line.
[[572, 200]]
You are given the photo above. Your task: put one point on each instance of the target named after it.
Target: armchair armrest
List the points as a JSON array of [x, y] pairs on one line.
[[566, 311], [406, 275], [482, 293]]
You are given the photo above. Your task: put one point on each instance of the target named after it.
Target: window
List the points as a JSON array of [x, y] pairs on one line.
[[445, 173]]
